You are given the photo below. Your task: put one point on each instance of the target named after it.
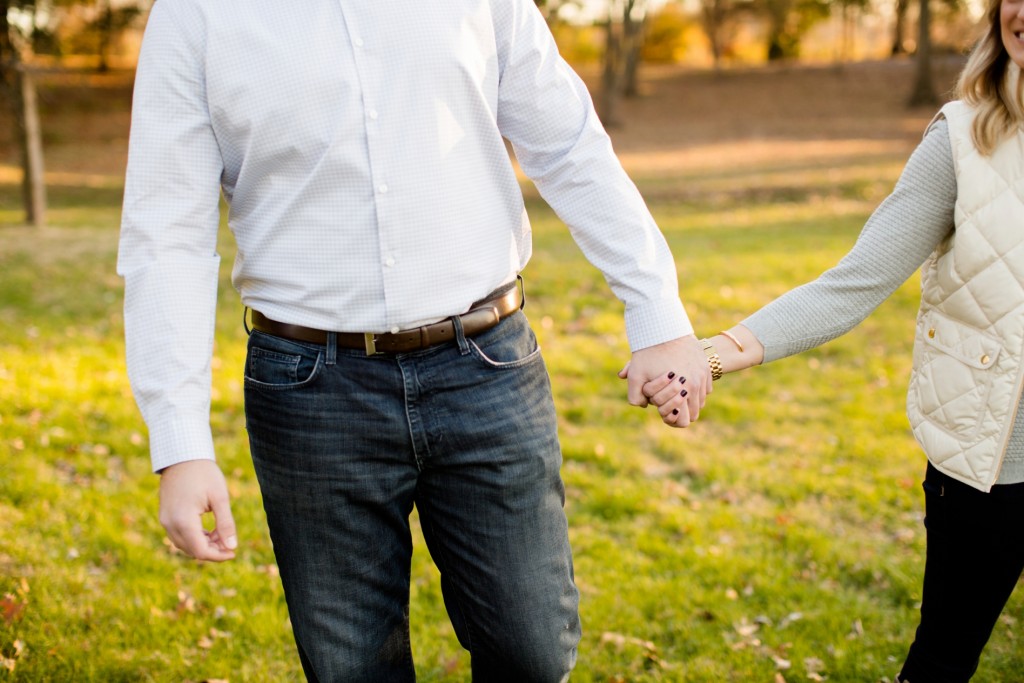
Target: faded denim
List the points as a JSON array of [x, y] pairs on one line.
[[344, 445]]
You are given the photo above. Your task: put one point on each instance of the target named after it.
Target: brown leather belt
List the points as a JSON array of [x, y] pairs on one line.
[[481, 316]]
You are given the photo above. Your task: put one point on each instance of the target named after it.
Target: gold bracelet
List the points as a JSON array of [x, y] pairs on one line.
[[730, 335], [714, 360]]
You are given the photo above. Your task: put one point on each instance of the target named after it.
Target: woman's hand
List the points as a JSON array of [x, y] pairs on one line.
[[737, 349]]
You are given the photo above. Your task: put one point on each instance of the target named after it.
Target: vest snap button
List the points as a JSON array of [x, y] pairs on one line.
[[985, 359], [931, 333]]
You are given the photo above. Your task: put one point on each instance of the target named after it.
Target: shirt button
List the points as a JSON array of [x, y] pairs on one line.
[[358, 42], [372, 114], [383, 189], [390, 261], [395, 330]]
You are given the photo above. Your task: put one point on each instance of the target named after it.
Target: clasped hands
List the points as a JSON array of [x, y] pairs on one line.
[[673, 376]]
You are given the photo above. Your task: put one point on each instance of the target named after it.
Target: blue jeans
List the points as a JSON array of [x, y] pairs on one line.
[[974, 559], [345, 444]]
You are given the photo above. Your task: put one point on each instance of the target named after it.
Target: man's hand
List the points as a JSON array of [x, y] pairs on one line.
[[674, 376], [188, 490]]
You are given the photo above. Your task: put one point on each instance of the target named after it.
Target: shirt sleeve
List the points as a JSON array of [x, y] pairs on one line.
[[167, 252], [546, 113], [897, 238]]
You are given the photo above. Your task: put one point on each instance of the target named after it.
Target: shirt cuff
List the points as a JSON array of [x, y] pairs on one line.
[[181, 439], [656, 322]]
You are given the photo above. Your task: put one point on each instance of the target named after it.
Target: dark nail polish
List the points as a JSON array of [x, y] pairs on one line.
[[683, 392], [671, 375], [675, 411], [682, 380]]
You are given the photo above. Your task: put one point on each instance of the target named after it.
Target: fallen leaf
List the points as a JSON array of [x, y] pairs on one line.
[[619, 640], [11, 608], [790, 618], [856, 631], [186, 603], [814, 667], [746, 629]]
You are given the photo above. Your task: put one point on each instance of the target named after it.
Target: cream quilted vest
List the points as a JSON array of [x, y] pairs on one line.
[[967, 374]]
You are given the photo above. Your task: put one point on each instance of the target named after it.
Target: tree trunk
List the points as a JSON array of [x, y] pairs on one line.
[[34, 178], [713, 19], [924, 86], [13, 91], [634, 35], [778, 14], [610, 81], [106, 35], [899, 28]]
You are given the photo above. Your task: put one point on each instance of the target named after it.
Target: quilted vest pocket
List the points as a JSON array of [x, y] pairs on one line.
[[953, 373]]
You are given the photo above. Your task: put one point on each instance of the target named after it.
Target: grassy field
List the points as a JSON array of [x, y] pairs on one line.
[[779, 539]]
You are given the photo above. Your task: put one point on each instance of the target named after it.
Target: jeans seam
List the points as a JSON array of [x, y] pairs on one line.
[[413, 441]]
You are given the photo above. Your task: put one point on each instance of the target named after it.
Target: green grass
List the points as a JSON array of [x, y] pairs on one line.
[[778, 539]]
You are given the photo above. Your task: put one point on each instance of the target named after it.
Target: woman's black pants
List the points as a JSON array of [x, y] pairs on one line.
[[974, 559]]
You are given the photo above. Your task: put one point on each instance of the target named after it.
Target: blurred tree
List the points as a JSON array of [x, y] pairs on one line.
[[665, 34], [94, 27], [719, 18], [623, 44], [923, 92], [550, 8], [14, 86], [788, 21], [899, 28], [848, 10], [108, 26], [634, 23], [952, 8]]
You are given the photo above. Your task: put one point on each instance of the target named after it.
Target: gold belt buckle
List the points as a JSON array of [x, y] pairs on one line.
[[370, 340]]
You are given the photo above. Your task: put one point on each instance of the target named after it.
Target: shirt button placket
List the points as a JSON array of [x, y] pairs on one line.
[[367, 72]]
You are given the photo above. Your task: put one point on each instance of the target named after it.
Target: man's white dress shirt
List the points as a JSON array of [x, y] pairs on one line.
[[359, 147]]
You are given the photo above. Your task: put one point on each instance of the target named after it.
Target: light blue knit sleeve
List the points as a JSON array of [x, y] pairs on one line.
[[902, 232]]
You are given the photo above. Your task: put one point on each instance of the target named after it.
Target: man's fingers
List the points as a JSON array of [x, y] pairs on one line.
[[189, 537], [189, 490], [635, 391], [697, 396], [635, 394], [225, 535]]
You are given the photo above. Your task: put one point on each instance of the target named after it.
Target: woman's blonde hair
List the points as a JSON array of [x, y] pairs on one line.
[[991, 83]]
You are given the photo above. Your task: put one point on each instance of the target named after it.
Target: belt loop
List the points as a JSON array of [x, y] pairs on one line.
[[332, 348], [460, 335]]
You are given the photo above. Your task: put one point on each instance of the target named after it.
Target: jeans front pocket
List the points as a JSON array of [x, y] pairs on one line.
[[274, 363], [510, 344]]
